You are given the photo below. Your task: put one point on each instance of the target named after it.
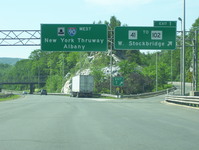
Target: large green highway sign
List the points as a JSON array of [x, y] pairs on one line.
[[152, 38], [74, 37]]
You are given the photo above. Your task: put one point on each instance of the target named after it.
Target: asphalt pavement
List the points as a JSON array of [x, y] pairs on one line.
[[36, 122]]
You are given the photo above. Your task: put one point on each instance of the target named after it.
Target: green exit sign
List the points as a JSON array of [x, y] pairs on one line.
[[165, 23], [118, 81], [74, 37]]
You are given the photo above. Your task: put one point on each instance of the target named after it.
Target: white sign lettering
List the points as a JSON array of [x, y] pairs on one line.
[[156, 35]]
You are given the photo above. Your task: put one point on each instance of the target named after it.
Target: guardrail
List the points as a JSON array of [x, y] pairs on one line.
[[142, 95], [150, 94], [192, 101]]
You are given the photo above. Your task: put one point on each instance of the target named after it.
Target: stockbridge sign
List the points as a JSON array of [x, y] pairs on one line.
[[154, 38], [74, 37]]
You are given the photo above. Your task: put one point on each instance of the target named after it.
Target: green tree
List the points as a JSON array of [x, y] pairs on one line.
[[101, 81], [137, 83], [163, 73], [127, 67]]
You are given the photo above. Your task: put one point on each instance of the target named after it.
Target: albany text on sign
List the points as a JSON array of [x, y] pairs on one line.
[[145, 38], [73, 37]]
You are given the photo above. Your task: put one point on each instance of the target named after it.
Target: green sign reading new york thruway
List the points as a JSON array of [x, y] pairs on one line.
[[74, 37]]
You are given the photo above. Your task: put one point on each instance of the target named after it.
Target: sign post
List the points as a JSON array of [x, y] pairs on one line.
[[74, 37], [151, 38]]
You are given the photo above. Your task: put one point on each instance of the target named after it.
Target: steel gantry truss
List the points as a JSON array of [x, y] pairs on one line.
[[20, 37]]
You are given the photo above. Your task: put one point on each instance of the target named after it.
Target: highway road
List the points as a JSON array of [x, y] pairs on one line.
[[36, 122], [188, 88]]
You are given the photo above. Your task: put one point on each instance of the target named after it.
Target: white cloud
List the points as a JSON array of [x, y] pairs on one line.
[[115, 3]]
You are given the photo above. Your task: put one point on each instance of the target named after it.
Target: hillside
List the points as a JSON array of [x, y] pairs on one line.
[[10, 61]]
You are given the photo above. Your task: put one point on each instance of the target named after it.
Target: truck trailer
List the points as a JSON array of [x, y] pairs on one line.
[[82, 86]]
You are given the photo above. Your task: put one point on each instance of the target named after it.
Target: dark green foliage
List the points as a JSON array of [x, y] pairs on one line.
[[137, 83], [127, 67], [10, 61], [4, 69]]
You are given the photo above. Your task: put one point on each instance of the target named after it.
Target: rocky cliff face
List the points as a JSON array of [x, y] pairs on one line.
[[106, 70]]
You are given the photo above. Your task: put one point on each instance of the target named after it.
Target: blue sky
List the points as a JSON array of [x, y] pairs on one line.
[[23, 14]]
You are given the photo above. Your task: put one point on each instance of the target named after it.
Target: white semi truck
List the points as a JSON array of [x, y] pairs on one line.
[[82, 86]]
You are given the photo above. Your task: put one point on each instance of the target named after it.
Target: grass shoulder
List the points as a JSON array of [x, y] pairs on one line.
[[108, 97], [11, 97]]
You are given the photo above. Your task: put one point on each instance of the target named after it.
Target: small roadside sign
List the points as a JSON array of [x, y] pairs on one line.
[[118, 81]]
